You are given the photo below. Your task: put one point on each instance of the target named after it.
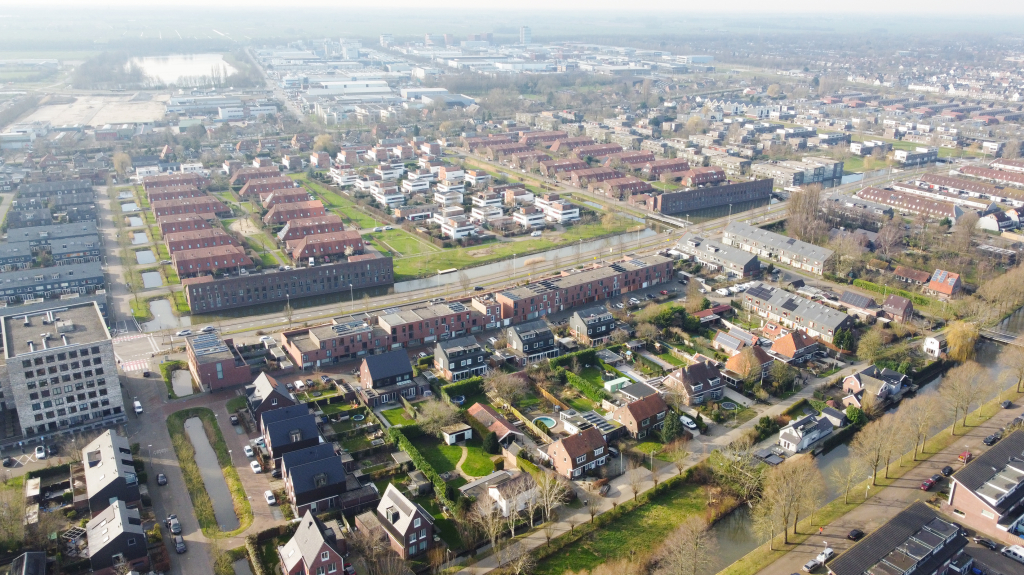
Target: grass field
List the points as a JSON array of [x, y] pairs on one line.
[[398, 416], [642, 530], [344, 207], [444, 457], [180, 305], [401, 243], [666, 186]]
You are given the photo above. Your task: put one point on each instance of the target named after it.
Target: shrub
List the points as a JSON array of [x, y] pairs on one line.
[[585, 356], [591, 390], [440, 487], [491, 443], [466, 387]]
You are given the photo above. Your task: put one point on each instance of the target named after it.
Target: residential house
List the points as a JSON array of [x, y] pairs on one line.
[[787, 250], [591, 326], [779, 306], [383, 377], [285, 435], [911, 276], [794, 346], [577, 454], [531, 342], [734, 341], [718, 256], [109, 473], [804, 432], [879, 384], [266, 394], [408, 526], [916, 541], [513, 492], [495, 422], [643, 416], [898, 308], [460, 358], [697, 383], [935, 345], [315, 547], [314, 478], [987, 494], [738, 366], [859, 305], [116, 537], [945, 284]]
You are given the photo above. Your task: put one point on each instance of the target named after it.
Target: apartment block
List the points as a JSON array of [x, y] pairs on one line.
[[211, 260]]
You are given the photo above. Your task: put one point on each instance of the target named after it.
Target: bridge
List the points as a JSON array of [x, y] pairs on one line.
[[1001, 336]]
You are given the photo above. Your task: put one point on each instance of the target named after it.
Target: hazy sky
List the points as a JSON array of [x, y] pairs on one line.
[[920, 7]]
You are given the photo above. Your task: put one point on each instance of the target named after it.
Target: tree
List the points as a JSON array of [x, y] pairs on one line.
[[647, 332], [508, 386], [694, 299], [962, 387], [122, 163], [464, 281], [889, 237], [488, 517], [869, 348], [520, 560], [804, 215], [964, 230], [846, 249], [671, 429], [869, 446], [635, 478], [843, 339], [961, 339], [774, 91], [919, 414], [749, 367], [690, 550], [790, 489], [846, 474], [1013, 359], [325, 143], [783, 374], [619, 336], [740, 469], [490, 443], [552, 491], [436, 415], [767, 520], [678, 453], [855, 415]]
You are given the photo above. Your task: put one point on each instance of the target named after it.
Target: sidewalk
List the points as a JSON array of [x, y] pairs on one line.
[[621, 492]]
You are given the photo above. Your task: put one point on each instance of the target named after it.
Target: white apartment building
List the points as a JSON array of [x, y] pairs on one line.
[[485, 199], [481, 214], [387, 172], [447, 186], [474, 177], [447, 212], [344, 177], [561, 212], [457, 227], [389, 197], [529, 217], [448, 199], [410, 186]]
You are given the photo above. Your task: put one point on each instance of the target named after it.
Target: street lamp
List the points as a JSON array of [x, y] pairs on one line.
[[351, 299]]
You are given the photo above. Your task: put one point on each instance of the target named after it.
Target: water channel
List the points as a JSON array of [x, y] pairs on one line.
[[213, 477], [145, 257], [163, 317], [152, 279], [140, 238], [734, 532]]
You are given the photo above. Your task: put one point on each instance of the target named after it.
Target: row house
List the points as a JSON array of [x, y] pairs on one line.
[[325, 246], [331, 343], [555, 168], [997, 176], [794, 312], [175, 193], [283, 213], [632, 159], [653, 170], [206, 206], [460, 358], [528, 159], [196, 239], [972, 188], [431, 323], [622, 187], [912, 203], [531, 342], [302, 227], [701, 176], [284, 196], [532, 138], [182, 223], [597, 150], [194, 262], [570, 144], [150, 183], [499, 151], [582, 178], [386, 376], [244, 175], [770, 245], [473, 144]]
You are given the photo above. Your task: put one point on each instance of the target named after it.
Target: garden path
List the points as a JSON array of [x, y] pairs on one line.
[[458, 466]]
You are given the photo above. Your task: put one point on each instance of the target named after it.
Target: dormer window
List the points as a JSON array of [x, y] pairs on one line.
[[295, 435]]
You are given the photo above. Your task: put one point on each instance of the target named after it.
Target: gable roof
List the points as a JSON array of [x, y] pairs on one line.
[[582, 443], [281, 413], [944, 282], [647, 407], [303, 477], [493, 420], [110, 524], [307, 542], [263, 387], [279, 432], [737, 363], [396, 500], [911, 273], [792, 342], [897, 305], [106, 459], [697, 373], [388, 364], [307, 455]]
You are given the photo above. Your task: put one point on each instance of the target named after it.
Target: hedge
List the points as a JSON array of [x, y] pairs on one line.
[[63, 470], [440, 487], [466, 387], [585, 356], [839, 437], [870, 286], [797, 408], [591, 390]]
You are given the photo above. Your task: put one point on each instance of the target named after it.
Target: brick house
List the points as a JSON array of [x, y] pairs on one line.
[[197, 239], [284, 196], [283, 213], [322, 246], [182, 223], [643, 416], [315, 548], [385, 376], [175, 193], [988, 493], [574, 455], [697, 383], [794, 346], [314, 478], [266, 394], [945, 283], [654, 170], [194, 262], [407, 525], [286, 435], [168, 180], [591, 326], [206, 206], [898, 308], [460, 358], [244, 175], [260, 186], [302, 227]]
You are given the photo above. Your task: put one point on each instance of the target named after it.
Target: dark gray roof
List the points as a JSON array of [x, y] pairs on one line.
[[638, 390], [307, 455], [29, 563], [303, 477], [279, 432], [915, 530], [281, 413], [468, 344], [539, 328], [595, 315], [388, 364], [984, 467], [63, 186], [857, 300]]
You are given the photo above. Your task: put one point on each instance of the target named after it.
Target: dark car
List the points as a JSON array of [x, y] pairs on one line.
[[276, 474], [947, 471], [986, 543], [234, 420], [174, 526], [855, 535], [8, 462], [310, 383], [145, 374], [936, 478], [52, 450], [179, 544], [990, 440], [1006, 405], [478, 288], [161, 479], [325, 378]]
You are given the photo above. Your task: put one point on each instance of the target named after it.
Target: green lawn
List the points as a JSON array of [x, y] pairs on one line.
[[400, 243], [269, 261], [445, 457], [593, 375], [442, 525], [398, 416], [342, 407], [665, 186], [346, 208], [649, 447], [180, 305], [478, 462], [642, 530], [580, 404], [236, 403], [667, 357], [356, 443]]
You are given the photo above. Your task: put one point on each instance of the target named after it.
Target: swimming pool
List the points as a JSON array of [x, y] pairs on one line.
[[548, 421]]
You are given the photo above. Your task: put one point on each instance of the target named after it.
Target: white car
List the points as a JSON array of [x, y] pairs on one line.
[[259, 441], [536, 234], [386, 228], [299, 385], [269, 496], [248, 451], [619, 306], [378, 229], [255, 465], [266, 339], [40, 452], [722, 292], [686, 421], [702, 290], [208, 329], [138, 407], [184, 332]]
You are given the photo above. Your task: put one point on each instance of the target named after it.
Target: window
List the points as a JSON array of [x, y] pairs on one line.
[[320, 570], [332, 567], [581, 459], [131, 541], [416, 523], [325, 556]]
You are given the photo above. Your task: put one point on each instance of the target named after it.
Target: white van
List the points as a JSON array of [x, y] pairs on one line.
[[1015, 552], [138, 407], [299, 385]]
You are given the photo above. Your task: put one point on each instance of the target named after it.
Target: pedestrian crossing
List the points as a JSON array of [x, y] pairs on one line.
[[125, 338], [135, 365]]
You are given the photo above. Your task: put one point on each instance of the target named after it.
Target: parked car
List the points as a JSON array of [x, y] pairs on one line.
[[535, 234], [184, 332], [855, 535], [1006, 405], [423, 354], [650, 296], [266, 338], [299, 385], [324, 379], [179, 544], [247, 449], [927, 484], [269, 496], [138, 407], [173, 525], [619, 306], [702, 290], [664, 292], [234, 419], [8, 462], [990, 440], [309, 382], [289, 387], [964, 457], [986, 543], [40, 452], [208, 329], [276, 474], [386, 228], [947, 471], [378, 229], [52, 450], [492, 340], [686, 421], [604, 490], [161, 479], [255, 465], [259, 441], [146, 374], [936, 478]]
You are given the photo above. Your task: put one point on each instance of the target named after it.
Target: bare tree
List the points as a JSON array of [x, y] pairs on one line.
[[740, 467], [869, 446], [488, 517], [962, 387], [889, 237], [768, 520], [509, 386], [804, 221], [435, 415], [648, 332], [678, 453], [785, 489], [1013, 357], [464, 281], [552, 491], [549, 527], [846, 474], [436, 558], [635, 477], [919, 414], [520, 561], [531, 497], [690, 550], [593, 506]]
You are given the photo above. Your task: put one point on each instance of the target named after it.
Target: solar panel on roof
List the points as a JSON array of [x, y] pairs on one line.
[[790, 305], [456, 307]]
